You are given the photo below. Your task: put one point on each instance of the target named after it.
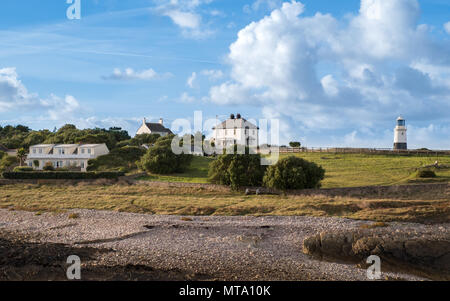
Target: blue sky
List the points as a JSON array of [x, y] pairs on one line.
[[336, 73]]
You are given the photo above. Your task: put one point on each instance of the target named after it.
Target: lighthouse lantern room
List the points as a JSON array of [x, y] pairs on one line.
[[400, 140]]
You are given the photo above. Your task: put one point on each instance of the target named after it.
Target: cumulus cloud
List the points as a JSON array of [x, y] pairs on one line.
[[321, 73], [14, 96], [130, 74]]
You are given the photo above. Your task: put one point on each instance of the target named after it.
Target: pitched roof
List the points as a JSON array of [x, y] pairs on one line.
[[157, 127], [240, 123]]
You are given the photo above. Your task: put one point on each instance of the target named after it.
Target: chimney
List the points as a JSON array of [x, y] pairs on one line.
[[161, 121], [232, 116], [238, 116], [144, 121]]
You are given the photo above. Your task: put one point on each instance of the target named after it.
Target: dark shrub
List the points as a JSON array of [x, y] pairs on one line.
[[160, 158], [294, 173], [237, 170], [48, 167], [23, 169], [425, 173]]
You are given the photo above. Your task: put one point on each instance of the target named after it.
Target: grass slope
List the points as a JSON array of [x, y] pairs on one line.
[[342, 170]]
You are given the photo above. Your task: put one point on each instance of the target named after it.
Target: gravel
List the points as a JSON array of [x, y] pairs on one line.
[[195, 248]]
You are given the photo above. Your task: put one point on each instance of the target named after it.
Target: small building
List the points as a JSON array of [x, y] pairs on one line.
[[154, 128], [236, 131], [9, 152], [400, 137], [64, 155]]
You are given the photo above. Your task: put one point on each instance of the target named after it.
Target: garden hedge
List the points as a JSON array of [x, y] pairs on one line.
[[55, 175]]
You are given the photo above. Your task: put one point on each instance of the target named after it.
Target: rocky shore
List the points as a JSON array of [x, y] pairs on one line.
[[126, 246]]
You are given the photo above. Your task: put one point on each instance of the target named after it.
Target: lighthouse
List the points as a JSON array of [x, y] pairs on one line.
[[400, 141]]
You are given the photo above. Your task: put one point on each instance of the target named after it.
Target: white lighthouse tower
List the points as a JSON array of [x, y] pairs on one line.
[[400, 140]]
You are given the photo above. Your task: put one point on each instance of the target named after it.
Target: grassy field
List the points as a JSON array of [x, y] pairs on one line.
[[197, 173], [431, 206], [342, 170]]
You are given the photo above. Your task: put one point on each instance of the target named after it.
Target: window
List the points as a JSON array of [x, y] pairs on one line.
[[82, 150], [89, 151], [82, 164], [40, 150], [34, 150]]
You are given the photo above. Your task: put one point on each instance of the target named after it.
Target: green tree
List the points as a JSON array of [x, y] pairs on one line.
[[295, 144], [237, 170], [294, 173], [160, 158], [21, 155]]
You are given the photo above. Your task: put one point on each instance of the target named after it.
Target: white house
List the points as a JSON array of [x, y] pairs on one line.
[[400, 138], [65, 155], [235, 131], [153, 128]]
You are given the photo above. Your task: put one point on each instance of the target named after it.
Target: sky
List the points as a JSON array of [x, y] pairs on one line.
[[334, 73]]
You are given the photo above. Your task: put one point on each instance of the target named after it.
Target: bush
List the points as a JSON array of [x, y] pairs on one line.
[[294, 173], [56, 175], [160, 159], [23, 169], [237, 170], [120, 159], [7, 163], [425, 173], [48, 167]]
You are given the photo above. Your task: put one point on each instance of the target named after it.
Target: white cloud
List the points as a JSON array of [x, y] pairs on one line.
[[191, 80], [185, 14], [447, 27], [278, 63], [213, 74], [130, 74], [14, 96], [260, 4], [184, 19], [186, 98], [329, 84]]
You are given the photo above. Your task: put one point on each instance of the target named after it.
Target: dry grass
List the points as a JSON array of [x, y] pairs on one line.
[[374, 225], [204, 201]]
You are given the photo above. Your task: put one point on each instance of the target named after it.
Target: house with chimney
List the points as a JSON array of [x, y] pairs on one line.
[[236, 131], [64, 155], [153, 128]]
